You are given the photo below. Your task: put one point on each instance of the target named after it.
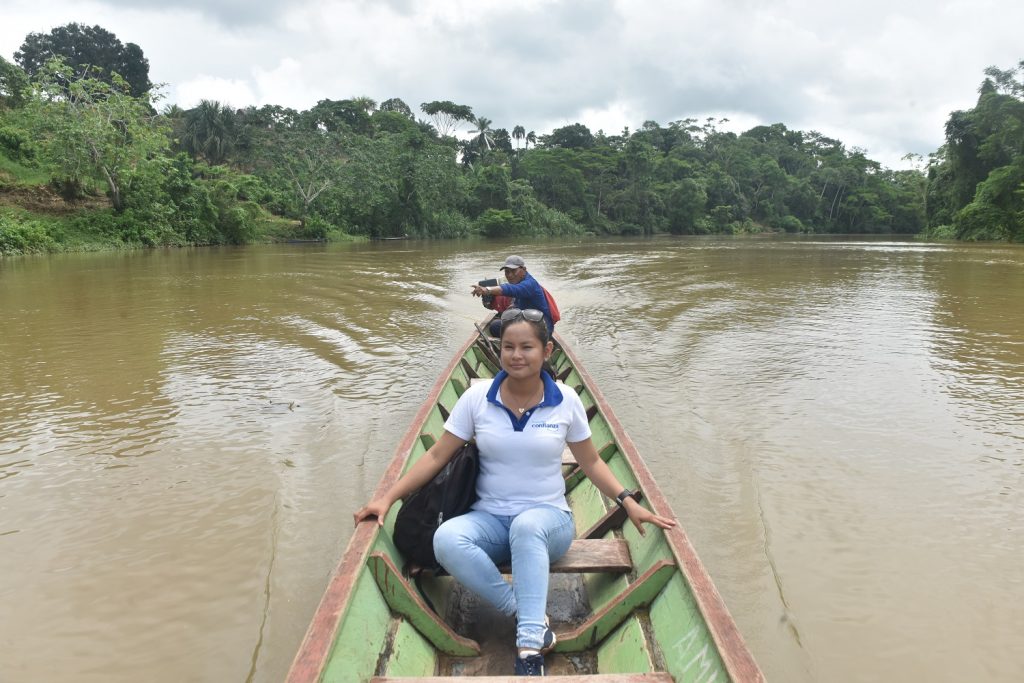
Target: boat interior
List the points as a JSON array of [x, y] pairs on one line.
[[599, 557]]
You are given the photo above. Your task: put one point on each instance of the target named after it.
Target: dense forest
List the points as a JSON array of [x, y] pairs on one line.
[[90, 157]]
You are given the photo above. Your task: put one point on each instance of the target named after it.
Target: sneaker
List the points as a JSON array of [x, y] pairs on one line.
[[549, 639], [530, 665]]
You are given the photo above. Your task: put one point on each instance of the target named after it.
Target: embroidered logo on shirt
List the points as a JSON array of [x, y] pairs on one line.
[[545, 425]]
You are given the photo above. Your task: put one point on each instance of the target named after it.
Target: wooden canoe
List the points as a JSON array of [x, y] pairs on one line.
[[626, 607]]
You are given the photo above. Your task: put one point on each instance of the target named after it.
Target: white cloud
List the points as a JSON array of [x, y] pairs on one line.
[[234, 92], [282, 83], [875, 74]]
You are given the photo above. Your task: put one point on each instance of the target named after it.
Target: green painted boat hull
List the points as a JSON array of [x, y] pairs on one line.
[[664, 616]]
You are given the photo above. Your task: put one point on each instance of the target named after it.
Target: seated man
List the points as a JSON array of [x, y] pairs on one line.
[[523, 288]]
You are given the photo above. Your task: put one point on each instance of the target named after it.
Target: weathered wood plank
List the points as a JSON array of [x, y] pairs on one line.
[[469, 369], [639, 594], [614, 519], [572, 480], [406, 600], [485, 344], [592, 555]]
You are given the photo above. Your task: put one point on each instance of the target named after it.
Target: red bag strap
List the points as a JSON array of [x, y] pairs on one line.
[[552, 306]]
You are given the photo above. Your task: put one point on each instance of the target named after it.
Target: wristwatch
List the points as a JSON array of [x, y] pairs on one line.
[[621, 498]]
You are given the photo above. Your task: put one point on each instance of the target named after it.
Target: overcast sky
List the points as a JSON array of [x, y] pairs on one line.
[[881, 75]]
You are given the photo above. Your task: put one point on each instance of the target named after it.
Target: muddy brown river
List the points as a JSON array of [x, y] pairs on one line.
[[838, 423]]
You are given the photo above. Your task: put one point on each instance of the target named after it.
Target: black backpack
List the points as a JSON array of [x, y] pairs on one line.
[[449, 494]]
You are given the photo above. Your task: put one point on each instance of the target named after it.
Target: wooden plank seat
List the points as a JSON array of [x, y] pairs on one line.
[[584, 555], [587, 555], [654, 677]]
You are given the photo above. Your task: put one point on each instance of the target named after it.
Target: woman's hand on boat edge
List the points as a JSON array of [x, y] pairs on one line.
[[640, 515], [424, 469], [375, 508], [598, 472]]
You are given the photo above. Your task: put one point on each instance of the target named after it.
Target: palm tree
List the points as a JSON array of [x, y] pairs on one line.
[[518, 133], [531, 137], [173, 111], [484, 137], [175, 116], [209, 131], [365, 103], [426, 127]]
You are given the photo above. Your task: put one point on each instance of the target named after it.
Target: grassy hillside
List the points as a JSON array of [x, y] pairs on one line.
[[34, 218]]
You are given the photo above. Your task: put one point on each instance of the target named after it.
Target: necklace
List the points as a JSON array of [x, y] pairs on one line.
[[531, 401]]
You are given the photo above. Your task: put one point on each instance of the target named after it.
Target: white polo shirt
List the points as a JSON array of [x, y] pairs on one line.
[[520, 458]]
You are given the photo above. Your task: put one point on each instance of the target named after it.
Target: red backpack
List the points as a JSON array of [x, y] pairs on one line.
[[552, 306]]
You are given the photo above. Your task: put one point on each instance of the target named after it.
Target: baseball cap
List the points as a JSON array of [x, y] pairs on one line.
[[513, 262]]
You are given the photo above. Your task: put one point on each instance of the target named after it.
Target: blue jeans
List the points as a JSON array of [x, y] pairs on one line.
[[470, 548]]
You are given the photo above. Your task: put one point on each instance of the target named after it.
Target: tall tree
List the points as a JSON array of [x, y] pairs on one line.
[[518, 133], [556, 181], [336, 116], [308, 161], [1007, 81], [87, 47], [397, 104], [92, 129], [13, 83], [446, 115], [484, 135], [576, 136], [975, 183], [210, 131], [365, 103], [637, 205], [502, 140], [270, 116], [684, 206]]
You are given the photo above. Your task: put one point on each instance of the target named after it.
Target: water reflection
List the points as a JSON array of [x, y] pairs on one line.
[[981, 356], [814, 450]]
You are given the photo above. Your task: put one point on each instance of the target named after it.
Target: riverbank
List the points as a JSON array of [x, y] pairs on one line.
[[35, 219]]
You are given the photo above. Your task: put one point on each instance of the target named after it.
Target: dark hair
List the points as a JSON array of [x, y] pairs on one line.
[[540, 328]]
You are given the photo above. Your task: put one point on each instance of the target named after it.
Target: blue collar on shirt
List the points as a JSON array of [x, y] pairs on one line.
[[552, 397]]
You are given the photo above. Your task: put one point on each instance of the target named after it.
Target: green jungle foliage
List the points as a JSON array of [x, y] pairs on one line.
[[975, 185], [354, 169], [91, 47]]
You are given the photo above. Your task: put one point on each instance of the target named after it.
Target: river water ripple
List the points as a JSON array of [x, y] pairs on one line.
[[838, 424]]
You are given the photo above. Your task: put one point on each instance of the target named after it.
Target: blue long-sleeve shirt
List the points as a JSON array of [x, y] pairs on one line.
[[529, 294]]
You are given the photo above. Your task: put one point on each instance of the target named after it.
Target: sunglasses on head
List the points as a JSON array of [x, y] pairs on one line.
[[529, 314]]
